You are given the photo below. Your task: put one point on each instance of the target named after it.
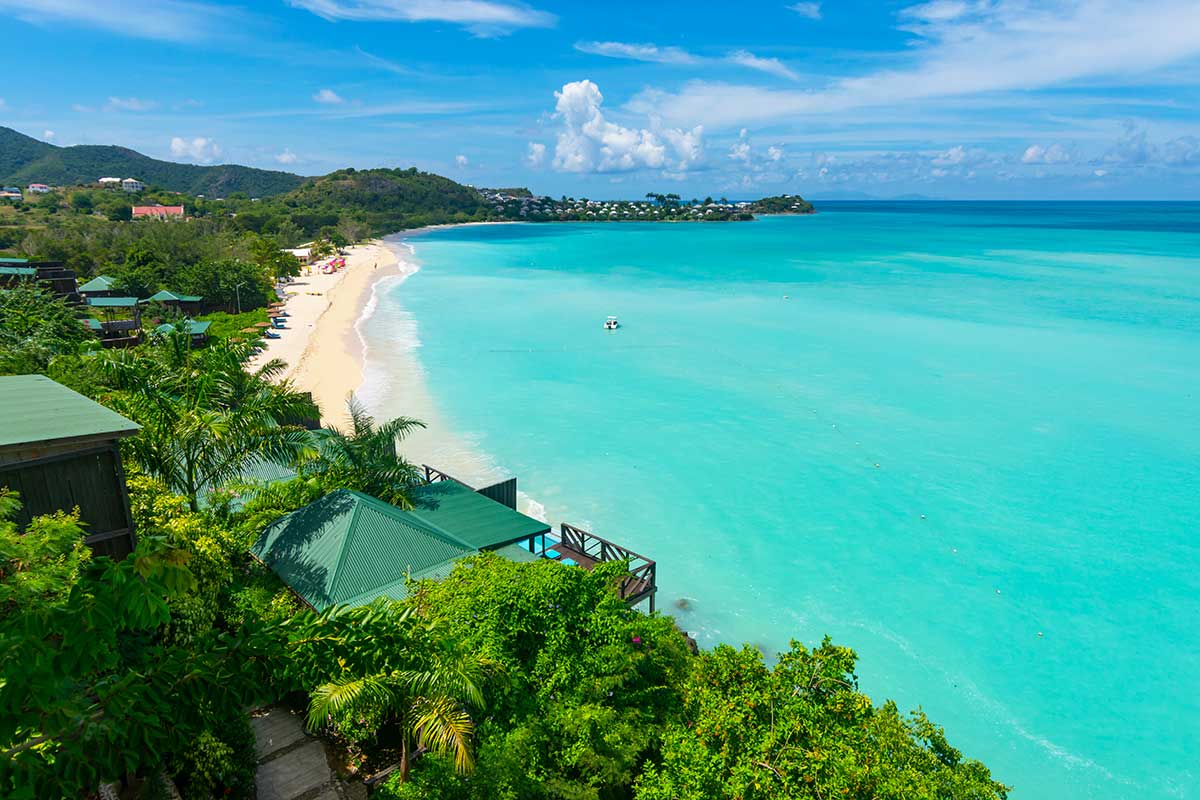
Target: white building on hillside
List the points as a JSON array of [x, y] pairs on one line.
[[110, 183], [132, 185], [39, 188]]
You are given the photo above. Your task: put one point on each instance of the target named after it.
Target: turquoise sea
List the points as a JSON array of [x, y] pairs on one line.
[[962, 438]]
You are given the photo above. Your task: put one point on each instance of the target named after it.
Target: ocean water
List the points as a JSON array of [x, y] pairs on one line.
[[963, 439]]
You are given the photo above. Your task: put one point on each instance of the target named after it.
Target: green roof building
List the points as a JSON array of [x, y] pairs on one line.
[[350, 548], [170, 297], [100, 283], [58, 450]]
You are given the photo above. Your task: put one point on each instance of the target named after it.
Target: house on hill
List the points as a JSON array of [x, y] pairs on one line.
[[158, 211], [132, 185], [59, 451], [38, 188], [99, 286]]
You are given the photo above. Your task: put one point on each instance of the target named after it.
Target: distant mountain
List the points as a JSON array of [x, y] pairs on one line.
[[847, 196], [25, 160]]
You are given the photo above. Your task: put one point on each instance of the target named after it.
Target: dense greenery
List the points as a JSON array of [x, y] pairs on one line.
[[782, 204], [205, 419], [24, 159], [34, 327]]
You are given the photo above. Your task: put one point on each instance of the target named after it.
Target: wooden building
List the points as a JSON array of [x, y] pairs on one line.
[[59, 450]]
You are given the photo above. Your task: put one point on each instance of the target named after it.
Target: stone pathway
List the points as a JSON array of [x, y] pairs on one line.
[[291, 764]]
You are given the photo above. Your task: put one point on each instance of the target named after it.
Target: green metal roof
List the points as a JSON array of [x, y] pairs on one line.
[[100, 283], [479, 521], [7, 260], [25, 272], [36, 409], [170, 297], [349, 548], [194, 326], [112, 302]]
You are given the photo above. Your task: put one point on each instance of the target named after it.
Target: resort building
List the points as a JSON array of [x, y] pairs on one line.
[[350, 548], [120, 323], [50, 274], [99, 286], [11, 193], [38, 188], [132, 185], [304, 254], [109, 183], [58, 450], [159, 211], [197, 329], [183, 302]]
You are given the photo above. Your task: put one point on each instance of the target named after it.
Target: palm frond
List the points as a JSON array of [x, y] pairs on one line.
[[330, 700], [443, 727]]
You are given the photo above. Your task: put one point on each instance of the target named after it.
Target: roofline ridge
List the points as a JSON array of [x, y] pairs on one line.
[[345, 548]]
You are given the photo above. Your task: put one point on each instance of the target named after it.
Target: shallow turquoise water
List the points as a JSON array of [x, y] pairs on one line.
[[967, 424]]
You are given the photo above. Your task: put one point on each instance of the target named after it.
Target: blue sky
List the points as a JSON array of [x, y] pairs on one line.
[[1094, 99]]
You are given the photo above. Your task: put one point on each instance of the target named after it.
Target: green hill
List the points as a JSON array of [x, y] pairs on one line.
[[25, 160], [387, 200]]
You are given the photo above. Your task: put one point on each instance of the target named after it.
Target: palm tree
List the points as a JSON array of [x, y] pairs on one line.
[[365, 458], [423, 687], [205, 418]]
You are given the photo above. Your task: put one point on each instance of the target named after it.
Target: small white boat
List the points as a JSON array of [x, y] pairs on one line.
[[611, 324]]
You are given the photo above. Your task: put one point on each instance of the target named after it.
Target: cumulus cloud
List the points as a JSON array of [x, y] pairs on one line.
[[774, 153], [1037, 154], [740, 151], [328, 96], [481, 17], [639, 52], [771, 66], [1133, 147], [286, 157], [810, 10], [461, 161], [1184, 151], [535, 156], [48, 135], [588, 142], [128, 104], [199, 148]]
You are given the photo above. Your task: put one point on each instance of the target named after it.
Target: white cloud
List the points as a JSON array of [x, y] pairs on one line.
[[48, 135], [740, 151], [1037, 154], [639, 52], [481, 17], [286, 157], [1099, 173], [1133, 147], [771, 66], [165, 20], [590, 143], [536, 154], [129, 104], [461, 161], [328, 96], [774, 153], [1182, 151], [199, 149], [810, 10], [976, 49], [955, 155]]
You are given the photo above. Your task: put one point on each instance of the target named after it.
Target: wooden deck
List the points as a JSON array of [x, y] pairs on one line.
[[578, 546]]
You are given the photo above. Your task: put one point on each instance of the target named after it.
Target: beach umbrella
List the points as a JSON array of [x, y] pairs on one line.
[[249, 330], [262, 324]]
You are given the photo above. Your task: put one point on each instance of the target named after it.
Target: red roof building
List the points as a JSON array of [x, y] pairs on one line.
[[157, 211]]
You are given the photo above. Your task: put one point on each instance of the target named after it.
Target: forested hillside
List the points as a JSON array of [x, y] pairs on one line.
[[25, 160]]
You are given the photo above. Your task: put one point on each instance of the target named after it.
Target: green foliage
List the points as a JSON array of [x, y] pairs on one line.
[[88, 689], [782, 204], [25, 159], [266, 253], [39, 566], [379, 667], [365, 458], [225, 325], [589, 684], [801, 730], [35, 326], [204, 418], [220, 762]]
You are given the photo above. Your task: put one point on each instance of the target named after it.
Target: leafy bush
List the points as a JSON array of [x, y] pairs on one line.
[[220, 762]]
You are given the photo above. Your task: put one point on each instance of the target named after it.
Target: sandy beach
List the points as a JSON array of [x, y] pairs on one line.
[[320, 346]]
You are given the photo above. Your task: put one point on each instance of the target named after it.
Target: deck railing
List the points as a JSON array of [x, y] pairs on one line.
[[638, 584]]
